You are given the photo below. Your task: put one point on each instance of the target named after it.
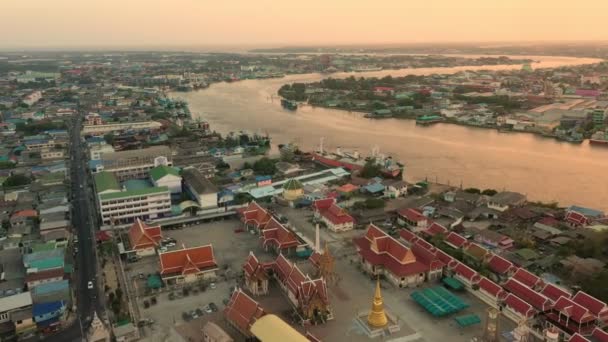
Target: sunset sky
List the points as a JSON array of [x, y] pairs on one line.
[[72, 23]]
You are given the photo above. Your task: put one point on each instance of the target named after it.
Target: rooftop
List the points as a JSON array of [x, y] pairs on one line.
[[133, 193], [105, 181]]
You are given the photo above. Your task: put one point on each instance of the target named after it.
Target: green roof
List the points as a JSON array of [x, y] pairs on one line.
[[292, 184], [162, 171], [45, 264], [136, 184], [106, 181], [38, 247], [132, 193]]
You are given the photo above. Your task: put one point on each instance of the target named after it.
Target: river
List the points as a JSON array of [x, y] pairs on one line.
[[544, 169]]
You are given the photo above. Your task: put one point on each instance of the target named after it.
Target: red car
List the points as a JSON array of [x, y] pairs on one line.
[[239, 230]]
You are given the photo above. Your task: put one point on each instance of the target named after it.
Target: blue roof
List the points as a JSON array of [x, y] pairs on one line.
[[137, 184], [93, 164], [45, 308], [55, 286], [93, 140], [586, 211], [374, 188], [262, 178], [36, 141]]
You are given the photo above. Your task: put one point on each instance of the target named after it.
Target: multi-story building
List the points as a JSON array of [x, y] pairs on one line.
[[51, 154], [16, 315], [121, 206], [97, 129], [97, 151], [134, 164], [200, 188]]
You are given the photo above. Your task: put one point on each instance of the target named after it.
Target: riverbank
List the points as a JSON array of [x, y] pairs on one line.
[[545, 169]]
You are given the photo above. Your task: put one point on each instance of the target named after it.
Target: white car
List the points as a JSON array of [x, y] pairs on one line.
[[90, 285]]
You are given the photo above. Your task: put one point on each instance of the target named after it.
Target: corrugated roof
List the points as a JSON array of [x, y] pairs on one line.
[[272, 328], [162, 171]]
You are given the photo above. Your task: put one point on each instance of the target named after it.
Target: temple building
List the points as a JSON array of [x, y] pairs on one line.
[[293, 190], [254, 216], [144, 239], [256, 276], [277, 238], [308, 295], [242, 312], [334, 217], [380, 253], [188, 264]]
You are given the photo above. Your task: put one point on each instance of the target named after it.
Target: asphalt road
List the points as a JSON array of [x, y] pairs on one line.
[[86, 263]]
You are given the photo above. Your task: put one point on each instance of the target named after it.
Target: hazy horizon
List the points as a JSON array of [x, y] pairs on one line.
[[51, 24]]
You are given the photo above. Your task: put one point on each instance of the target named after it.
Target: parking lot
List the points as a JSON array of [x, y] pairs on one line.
[[230, 250]]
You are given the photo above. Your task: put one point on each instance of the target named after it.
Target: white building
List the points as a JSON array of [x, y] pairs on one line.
[[200, 188], [167, 176], [97, 151], [135, 164], [122, 206]]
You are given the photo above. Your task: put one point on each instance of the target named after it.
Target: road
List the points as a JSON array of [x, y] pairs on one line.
[[86, 260]]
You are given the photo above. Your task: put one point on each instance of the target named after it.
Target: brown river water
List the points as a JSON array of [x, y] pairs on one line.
[[542, 168]]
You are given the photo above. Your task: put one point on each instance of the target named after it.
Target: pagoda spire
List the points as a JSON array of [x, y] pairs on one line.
[[377, 317]]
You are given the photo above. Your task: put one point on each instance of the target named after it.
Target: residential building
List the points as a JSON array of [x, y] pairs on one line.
[[394, 188], [47, 154], [96, 152], [505, 200], [333, 216], [13, 307], [126, 333], [200, 188], [188, 264], [412, 218]]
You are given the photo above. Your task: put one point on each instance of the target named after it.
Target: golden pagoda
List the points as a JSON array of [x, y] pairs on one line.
[[377, 317]]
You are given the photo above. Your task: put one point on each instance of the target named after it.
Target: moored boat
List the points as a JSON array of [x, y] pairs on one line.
[[599, 138], [289, 104]]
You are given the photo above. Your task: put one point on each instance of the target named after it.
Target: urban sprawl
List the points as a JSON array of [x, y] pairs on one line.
[[126, 217]]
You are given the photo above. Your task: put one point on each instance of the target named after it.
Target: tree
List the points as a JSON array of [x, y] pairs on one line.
[[264, 166], [472, 190], [489, 192], [596, 285], [16, 180], [370, 170]]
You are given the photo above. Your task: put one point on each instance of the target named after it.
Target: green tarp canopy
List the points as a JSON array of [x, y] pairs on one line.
[[452, 283], [154, 282], [438, 301], [467, 320]]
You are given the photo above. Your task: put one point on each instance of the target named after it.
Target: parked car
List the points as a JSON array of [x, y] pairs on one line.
[[213, 307], [208, 309], [212, 286], [90, 285]]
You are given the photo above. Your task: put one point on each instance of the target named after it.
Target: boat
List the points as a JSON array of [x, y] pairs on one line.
[[599, 138], [289, 104], [354, 161], [428, 119]]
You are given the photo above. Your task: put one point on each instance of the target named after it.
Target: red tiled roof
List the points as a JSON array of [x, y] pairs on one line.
[[578, 338], [455, 240], [594, 305], [253, 268], [435, 228], [467, 272], [187, 260], [553, 292], [331, 211], [255, 214], [530, 296], [143, 236], [275, 234], [573, 310], [323, 204], [309, 289], [243, 311], [347, 188], [444, 257], [576, 218], [408, 235], [499, 264], [519, 306], [411, 214], [526, 278], [378, 248], [600, 335], [303, 287], [492, 288]]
